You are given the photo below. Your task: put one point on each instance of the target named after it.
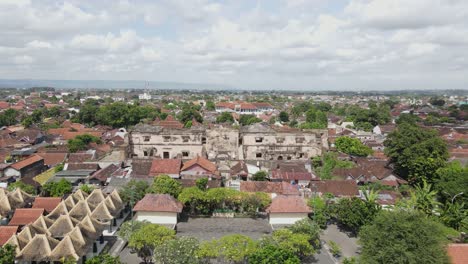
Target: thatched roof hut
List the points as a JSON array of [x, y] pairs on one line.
[[38, 249]]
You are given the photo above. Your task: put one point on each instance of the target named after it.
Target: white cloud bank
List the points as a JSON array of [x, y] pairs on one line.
[[363, 44]]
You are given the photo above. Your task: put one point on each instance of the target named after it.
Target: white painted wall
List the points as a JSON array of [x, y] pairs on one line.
[[286, 218], [10, 172], [157, 217]]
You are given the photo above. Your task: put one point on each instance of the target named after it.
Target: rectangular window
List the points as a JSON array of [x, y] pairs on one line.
[[165, 155], [300, 140], [185, 138], [146, 138], [259, 139], [166, 138], [301, 155], [145, 153], [258, 155], [185, 153]]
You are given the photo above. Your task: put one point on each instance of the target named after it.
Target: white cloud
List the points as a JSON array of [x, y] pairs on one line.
[[269, 44], [21, 60]]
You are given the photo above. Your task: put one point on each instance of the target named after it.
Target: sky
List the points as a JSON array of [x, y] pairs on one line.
[[251, 45]]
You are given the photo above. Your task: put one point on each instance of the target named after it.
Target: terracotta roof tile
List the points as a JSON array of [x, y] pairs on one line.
[[26, 162], [6, 232], [282, 188], [103, 174], [202, 162], [24, 216], [52, 159], [165, 166], [79, 157], [288, 204], [458, 253], [158, 203], [47, 203], [336, 187]]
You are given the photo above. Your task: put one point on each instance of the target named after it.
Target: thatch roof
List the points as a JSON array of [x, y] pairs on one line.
[[62, 226], [78, 239], [5, 206], [80, 211], [95, 198], [38, 249], [61, 209], [114, 195], [69, 202], [79, 195], [19, 198], [14, 241], [101, 212], [111, 206], [64, 250]]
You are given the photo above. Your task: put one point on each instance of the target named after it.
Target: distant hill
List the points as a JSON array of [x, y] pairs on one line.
[[106, 84]]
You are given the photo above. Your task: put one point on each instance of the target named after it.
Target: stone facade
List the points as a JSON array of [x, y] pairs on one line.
[[262, 142], [222, 143], [148, 141], [259, 142]]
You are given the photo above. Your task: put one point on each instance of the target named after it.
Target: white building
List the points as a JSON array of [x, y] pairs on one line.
[[144, 96], [160, 209], [287, 210]]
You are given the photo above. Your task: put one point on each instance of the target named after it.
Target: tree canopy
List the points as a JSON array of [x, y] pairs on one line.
[[164, 184], [354, 213], [58, 189], [352, 146], [416, 153], [104, 259], [403, 237], [231, 248], [147, 238], [182, 250]]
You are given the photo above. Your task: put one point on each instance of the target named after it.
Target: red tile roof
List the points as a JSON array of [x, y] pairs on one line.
[[291, 176], [4, 105], [52, 159], [26, 162], [458, 253], [158, 203], [170, 122], [47, 203], [103, 174], [336, 187], [165, 166], [288, 204], [6, 232], [24, 216], [282, 188], [202, 162]]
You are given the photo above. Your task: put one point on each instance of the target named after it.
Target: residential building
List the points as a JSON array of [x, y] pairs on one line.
[[287, 210], [160, 209]]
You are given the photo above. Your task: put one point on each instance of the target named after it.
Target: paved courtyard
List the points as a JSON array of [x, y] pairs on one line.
[[349, 246], [209, 228]]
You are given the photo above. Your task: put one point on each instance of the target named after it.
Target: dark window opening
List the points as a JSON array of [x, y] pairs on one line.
[[259, 139], [258, 155], [165, 155], [185, 153], [146, 138]]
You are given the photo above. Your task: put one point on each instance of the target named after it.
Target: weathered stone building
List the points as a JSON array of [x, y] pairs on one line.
[[147, 141], [259, 142], [222, 143], [263, 142]]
